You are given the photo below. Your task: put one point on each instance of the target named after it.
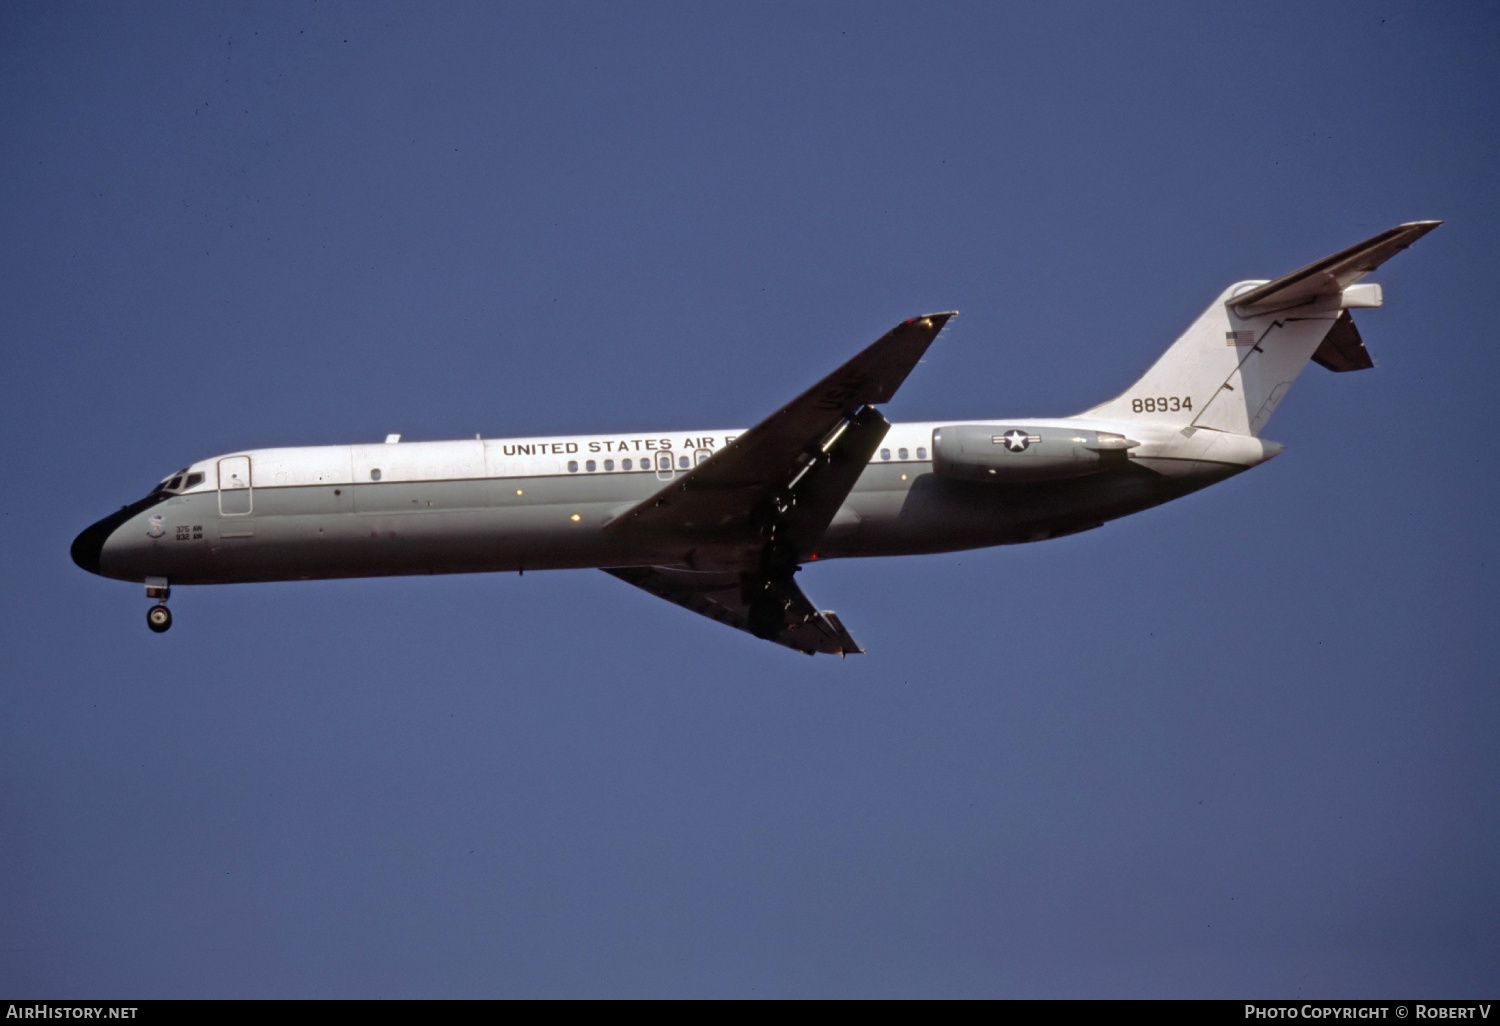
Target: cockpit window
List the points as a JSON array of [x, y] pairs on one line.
[[181, 479]]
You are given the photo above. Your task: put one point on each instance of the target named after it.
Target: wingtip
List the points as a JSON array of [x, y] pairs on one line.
[[934, 320], [1411, 231], [1417, 229]]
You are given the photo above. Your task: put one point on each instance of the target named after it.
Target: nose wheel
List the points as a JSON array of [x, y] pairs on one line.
[[158, 617]]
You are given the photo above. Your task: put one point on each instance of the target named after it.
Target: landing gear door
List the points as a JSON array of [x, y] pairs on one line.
[[235, 497]]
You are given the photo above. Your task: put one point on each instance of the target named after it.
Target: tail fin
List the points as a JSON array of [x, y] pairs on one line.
[[1231, 369]]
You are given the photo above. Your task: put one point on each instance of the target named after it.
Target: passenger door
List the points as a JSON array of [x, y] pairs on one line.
[[235, 494]]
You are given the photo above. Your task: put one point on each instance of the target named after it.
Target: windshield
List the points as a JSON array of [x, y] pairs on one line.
[[176, 481]]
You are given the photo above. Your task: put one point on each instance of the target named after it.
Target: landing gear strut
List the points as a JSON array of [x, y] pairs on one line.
[[158, 617]]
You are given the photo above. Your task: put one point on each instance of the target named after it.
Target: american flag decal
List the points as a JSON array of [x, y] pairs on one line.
[[1239, 338]]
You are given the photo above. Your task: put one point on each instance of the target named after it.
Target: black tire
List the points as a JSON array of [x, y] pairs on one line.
[[159, 619]]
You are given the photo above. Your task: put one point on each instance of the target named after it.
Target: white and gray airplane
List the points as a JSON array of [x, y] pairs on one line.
[[720, 521]]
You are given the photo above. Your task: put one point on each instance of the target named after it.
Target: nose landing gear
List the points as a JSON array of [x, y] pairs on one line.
[[158, 617]]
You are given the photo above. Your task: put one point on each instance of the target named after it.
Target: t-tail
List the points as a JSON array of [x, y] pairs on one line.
[[1230, 370]]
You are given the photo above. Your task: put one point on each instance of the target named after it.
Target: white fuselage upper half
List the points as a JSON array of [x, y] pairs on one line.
[[663, 454]]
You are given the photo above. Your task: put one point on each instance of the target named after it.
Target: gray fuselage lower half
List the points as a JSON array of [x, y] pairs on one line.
[[483, 525]]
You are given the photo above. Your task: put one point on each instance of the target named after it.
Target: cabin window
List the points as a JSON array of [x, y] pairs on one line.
[[625, 464], [664, 461], [193, 481], [921, 452], [885, 454], [572, 466], [375, 474], [591, 466], [901, 453], [684, 462], [609, 464]]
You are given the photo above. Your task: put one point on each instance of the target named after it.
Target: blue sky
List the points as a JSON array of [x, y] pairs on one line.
[[1243, 744]]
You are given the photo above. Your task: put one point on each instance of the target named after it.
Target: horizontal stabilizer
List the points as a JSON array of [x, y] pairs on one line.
[[1342, 349], [1330, 275]]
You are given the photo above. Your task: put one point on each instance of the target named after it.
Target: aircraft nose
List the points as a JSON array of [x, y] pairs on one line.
[[88, 547]]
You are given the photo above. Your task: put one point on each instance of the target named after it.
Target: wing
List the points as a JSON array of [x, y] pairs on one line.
[[790, 472], [1331, 274], [774, 610]]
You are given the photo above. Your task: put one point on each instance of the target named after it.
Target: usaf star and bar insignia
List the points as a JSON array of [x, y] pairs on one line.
[[1015, 440]]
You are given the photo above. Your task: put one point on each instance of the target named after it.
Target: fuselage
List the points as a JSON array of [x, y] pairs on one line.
[[494, 505]]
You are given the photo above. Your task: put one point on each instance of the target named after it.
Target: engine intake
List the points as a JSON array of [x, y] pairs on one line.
[[1004, 453]]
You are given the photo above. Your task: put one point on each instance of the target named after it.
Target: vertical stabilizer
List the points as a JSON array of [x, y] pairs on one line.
[[1233, 366]]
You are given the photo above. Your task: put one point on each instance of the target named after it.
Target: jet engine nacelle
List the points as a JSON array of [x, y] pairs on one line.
[[1004, 453]]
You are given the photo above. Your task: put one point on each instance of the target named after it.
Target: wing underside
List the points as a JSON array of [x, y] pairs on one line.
[[776, 611]]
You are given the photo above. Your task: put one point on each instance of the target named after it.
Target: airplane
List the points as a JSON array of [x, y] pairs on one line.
[[721, 521]]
